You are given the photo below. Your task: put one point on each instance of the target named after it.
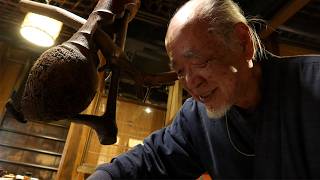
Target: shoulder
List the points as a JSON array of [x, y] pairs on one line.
[[190, 115], [302, 59], [192, 109], [275, 65], [299, 59]]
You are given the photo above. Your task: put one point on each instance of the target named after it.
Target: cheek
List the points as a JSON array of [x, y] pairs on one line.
[[229, 86], [226, 81]]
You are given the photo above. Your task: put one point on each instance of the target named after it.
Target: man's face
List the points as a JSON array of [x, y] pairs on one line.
[[209, 70]]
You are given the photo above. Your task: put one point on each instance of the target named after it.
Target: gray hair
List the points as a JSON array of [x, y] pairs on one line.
[[222, 15]]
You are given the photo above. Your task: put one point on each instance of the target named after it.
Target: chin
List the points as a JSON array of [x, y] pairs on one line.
[[217, 113]]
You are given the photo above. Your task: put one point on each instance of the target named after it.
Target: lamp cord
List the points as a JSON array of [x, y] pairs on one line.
[[231, 142]]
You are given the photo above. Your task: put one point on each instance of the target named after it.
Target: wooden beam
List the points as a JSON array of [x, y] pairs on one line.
[[32, 134], [300, 32], [286, 49], [57, 13], [3, 51], [40, 151], [29, 165], [73, 151], [78, 137], [174, 101], [76, 5], [282, 16], [10, 72], [75, 146]]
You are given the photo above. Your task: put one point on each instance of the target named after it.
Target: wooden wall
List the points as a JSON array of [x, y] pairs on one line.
[[134, 124], [34, 147], [12, 61]]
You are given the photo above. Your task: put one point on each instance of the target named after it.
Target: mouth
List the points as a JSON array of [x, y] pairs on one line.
[[204, 98]]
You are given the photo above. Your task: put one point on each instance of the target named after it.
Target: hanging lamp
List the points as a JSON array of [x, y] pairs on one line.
[[40, 30]]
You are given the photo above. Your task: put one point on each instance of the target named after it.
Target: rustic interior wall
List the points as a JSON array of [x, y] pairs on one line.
[[33, 147], [134, 124], [12, 61]]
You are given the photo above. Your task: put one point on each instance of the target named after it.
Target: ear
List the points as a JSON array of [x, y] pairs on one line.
[[242, 32]]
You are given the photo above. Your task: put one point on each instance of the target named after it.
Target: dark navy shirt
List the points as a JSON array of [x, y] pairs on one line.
[[278, 139]]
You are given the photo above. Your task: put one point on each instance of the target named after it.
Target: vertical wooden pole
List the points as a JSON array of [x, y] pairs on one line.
[[174, 101], [78, 135], [72, 151], [3, 51], [74, 148]]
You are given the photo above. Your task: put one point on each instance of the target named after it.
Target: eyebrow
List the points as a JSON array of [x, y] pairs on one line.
[[189, 54]]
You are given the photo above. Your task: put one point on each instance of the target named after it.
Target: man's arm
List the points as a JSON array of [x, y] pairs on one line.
[[166, 153]]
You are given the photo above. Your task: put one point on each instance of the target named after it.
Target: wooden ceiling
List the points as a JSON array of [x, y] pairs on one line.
[[297, 20], [293, 21]]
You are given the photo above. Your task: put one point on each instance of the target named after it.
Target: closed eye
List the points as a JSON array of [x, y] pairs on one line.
[[200, 64]]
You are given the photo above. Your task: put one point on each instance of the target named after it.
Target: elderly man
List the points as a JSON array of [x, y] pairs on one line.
[[251, 115]]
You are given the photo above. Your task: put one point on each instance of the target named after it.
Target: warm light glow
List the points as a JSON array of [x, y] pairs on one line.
[[40, 30], [148, 110], [134, 142], [118, 139]]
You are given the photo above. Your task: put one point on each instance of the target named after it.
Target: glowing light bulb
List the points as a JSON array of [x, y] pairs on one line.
[[148, 110]]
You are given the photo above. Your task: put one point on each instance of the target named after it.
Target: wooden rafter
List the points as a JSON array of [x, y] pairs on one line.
[[282, 16], [76, 4]]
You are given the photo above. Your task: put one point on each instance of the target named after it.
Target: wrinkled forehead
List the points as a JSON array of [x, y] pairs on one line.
[[193, 41], [184, 31], [188, 54], [185, 37], [175, 28]]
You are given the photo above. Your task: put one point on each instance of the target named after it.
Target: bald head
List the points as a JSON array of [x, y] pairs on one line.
[[220, 16], [184, 16]]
